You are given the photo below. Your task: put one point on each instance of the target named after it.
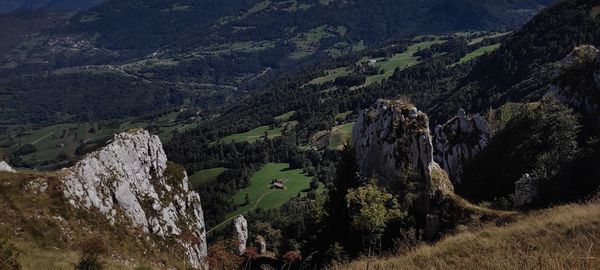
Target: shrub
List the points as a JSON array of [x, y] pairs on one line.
[[91, 251]]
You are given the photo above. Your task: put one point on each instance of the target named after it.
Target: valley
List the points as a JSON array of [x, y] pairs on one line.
[[302, 134]]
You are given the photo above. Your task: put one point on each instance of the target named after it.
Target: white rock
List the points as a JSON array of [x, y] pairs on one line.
[[240, 233], [4, 167], [457, 141], [262, 244], [129, 176], [386, 142]]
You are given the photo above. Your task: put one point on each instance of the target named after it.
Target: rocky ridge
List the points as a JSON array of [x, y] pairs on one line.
[[393, 137], [458, 140], [130, 181], [577, 82]]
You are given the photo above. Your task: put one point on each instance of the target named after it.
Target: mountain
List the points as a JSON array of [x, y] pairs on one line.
[[210, 51], [8, 6]]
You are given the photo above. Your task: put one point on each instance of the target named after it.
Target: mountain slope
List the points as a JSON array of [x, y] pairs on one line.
[[564, 237], [7, 6]]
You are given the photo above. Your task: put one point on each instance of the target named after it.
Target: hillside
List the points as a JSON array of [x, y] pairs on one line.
[[213, 50], [565, 237], [8, 6]]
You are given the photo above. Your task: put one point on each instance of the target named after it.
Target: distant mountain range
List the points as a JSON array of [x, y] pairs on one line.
[[7, 6], [212, 49]]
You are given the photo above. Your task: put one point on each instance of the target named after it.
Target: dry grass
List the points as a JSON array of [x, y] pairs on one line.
[[47, 232], [565, 237]]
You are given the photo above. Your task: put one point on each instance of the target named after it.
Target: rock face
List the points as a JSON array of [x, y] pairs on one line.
[[240, 233], [526, 191], [130, 180], [4, 167], [392, 137], [577, 83], [457, 141]]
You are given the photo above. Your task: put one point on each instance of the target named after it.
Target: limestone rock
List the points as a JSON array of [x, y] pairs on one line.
[[4, 167], [580, 56], [261, 244], [240, 233], [577, 83], [392, 137], [526, 191], [457, 141], [129, 180]]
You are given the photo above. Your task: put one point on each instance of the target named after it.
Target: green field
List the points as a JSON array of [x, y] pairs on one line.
[[205, 176], [331, 75], [61, 139], [342, 116], [285, 117], [260, 193], [339, 136], [479, 52], [400, 60], [253, 135]]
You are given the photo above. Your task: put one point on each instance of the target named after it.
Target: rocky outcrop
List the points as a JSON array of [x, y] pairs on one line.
[[260, 242], [457, 141], [526, 191], [130, 181], [577, 83], [4, 167], [393, 137], [240, 233]]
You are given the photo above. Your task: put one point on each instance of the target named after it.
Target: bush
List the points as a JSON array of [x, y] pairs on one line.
[[91, 252]]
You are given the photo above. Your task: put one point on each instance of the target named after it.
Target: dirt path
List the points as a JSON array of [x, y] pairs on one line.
[[44, 137], [252, 208]]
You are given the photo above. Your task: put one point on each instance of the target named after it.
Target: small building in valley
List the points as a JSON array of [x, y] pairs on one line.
[[278, 184]]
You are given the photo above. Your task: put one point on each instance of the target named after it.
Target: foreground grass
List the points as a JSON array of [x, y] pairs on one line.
[[566, 237], [46, 232]]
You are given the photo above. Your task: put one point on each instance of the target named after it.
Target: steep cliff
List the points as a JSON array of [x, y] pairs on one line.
[[392, 137], [457, 141], [130, 182]]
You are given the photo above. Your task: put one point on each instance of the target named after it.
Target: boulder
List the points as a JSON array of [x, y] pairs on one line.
[[240, 233], [130, 180], [261, 244], [579, 57], [526, 191]]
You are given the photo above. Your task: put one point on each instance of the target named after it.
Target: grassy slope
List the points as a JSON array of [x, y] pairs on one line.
[[479, 52], [340, 135], [46, 231], [565, 237], [253, 135], [260, 194], [205, 176], [400, 60]]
